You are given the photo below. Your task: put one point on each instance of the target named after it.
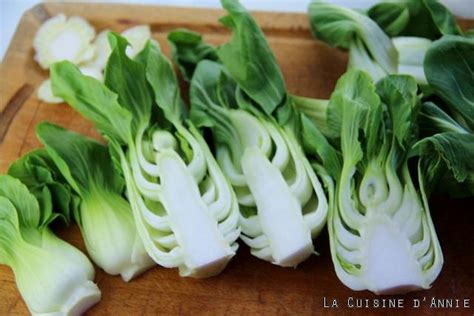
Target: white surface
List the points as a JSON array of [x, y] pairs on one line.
[[12, 10]]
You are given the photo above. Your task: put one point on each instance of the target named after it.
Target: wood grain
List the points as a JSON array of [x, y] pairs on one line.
[[248, 285]]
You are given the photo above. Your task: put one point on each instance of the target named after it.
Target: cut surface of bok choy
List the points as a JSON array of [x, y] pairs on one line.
[[281, 200], [61, 38], [185, 210]]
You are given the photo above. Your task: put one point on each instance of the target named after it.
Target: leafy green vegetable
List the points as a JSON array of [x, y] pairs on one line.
[[249, 59], [448, 151], [455, 151], [38, 172], [392, 17], [187, 49], [370, 49], [419, 18], [244, 102], [104, 216], [185, 210], [449, 68], [381, 234], [52, 276]]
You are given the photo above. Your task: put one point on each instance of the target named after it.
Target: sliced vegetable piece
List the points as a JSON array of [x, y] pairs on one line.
[[61, 38]]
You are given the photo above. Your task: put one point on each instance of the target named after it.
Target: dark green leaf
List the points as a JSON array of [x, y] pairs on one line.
[[249, 59], [127, 78], [188, 49], [449, 69], [92, 99]]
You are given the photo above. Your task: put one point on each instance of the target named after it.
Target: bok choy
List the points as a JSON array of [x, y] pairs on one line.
[[103, 215], [381, 234], [245, 104], [52, 276], [185, 210]]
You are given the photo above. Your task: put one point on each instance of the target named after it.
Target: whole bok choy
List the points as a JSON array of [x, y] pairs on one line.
[[381, 234], [53, 277], [282, 203], [185, 210], [104, 216]]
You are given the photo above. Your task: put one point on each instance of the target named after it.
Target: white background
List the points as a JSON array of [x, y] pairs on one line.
[[12, 10]]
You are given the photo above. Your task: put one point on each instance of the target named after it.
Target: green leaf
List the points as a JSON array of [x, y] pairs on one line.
[[453, 149], [354, 88], [249, 59], [162, 78], [340, 27], [399, 94], [9, 229], [92, 99], [127, 78], [434, 120], [315, 144], [392, 17], [442, 18], [84, 163], [419, 18], [314, 109], [449, 69], [188, 49], [207, 103], [39, 173], [17, 193]]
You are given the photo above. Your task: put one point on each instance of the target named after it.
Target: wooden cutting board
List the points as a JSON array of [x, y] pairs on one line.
[[248, 285]]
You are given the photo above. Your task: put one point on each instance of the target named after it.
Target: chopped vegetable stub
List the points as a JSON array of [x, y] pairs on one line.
[[62, 38]]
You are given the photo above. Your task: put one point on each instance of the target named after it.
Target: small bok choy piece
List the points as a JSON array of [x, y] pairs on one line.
[[53, 277], [61, 38], [283, 205], [184, 208], [382, 237], [103, 215]]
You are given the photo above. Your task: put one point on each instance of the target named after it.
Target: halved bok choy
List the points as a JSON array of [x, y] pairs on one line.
[[184, 208], [255, 132]]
